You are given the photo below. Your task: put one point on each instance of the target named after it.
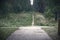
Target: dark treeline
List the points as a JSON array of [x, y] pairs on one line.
[[14, 6], [49, 7], [39, 5], [57, 8], [54, 6]]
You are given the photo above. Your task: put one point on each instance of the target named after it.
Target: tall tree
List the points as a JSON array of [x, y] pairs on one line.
[[57, 5], [14, 5]]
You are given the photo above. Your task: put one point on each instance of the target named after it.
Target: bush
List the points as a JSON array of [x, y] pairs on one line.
[[49, 13]]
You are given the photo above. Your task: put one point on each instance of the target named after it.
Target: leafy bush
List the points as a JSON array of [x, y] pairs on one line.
[[49, 13]]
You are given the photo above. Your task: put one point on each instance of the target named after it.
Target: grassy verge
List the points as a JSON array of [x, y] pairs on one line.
[[52, 32], [16, 20], [5, 32]]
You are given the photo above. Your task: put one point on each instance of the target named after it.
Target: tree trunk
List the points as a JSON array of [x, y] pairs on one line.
[[59, 27]]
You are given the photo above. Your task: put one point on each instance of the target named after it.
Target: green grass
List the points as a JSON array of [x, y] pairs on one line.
[[5, 32], [52, 32], [16, 20]]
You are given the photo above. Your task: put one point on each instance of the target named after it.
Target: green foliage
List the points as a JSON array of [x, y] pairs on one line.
[[52, 8], [14, 6], [16, 20], [49, 14], [5, 32], [49, 10], [41, 20], [52, 32], [21, 5]]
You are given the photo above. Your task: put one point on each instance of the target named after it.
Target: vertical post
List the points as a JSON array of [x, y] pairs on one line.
[[58, 14], [59, 27]]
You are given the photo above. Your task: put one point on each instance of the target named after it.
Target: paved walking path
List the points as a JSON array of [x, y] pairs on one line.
[[29, 33]]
